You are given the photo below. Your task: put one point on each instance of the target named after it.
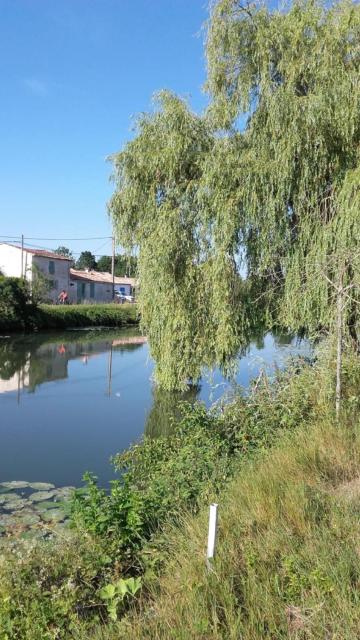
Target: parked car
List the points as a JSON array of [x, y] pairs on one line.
[[121, 297]]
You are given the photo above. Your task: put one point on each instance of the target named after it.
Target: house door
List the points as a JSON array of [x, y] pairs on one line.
[[80, 291]]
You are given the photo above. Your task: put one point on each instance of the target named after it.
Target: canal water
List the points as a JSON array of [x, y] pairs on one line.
[[70, 401]]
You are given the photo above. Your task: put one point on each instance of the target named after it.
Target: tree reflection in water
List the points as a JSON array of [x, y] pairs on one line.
[[166, 411]]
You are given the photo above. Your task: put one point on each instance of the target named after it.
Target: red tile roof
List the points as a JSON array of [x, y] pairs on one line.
[[39, 252], [101, 276]]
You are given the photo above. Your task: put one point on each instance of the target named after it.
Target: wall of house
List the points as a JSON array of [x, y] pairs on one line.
[[10, 265], [59, 275], [10, 261], [83, 291]]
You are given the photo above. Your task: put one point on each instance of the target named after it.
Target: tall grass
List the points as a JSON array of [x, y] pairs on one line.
[[288, 561], [288, 556]]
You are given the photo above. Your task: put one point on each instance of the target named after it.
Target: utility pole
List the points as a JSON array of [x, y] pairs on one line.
[[22, 255], [113, 267]]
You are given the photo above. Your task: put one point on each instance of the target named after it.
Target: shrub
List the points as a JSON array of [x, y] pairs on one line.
[[85, 315], [160, 477], [15, 309]]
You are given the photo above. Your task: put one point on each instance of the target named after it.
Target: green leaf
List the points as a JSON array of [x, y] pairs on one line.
[[133, 585], [121, 587], [108, 592]]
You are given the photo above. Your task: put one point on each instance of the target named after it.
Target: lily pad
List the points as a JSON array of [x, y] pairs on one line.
[[15, 484], [46, 504], [7, 520], [27, 519], [65, 490], [41, 486], [16, 505], [53, 515], [9, 497], [41, 495]]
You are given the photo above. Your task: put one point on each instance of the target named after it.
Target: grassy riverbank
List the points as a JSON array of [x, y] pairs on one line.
[[86, 315], [286, 478], [19, 312], [288, 562], [50, 317]]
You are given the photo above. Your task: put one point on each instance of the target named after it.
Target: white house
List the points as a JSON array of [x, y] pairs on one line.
[[23, 262], [97, 286], [81, 286]]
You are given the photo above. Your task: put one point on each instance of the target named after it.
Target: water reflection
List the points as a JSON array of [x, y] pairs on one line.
[[28, 362], [165, 409], [70, 401]]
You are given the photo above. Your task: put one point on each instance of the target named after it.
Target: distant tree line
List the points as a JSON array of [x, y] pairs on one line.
[[124, 265]]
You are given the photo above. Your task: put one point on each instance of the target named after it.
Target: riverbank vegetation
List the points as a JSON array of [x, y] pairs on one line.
[[282, 513], [85, 315], [18, 312], [287, 563], [15, 311]]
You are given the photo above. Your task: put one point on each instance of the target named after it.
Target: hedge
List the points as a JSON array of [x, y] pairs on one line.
[[48, 316]]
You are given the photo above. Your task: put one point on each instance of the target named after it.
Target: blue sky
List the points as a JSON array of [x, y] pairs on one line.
[[73, 75]]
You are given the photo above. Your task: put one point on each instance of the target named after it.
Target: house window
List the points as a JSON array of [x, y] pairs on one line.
[[122, 290], [53, 284], [92, 290], [51, 266]]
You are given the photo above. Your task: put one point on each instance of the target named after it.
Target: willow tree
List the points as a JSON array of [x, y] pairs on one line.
[[295, 76], [188, 278], [280, 193]]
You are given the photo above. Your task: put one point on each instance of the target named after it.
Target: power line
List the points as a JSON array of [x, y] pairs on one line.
[[52, 250], [58, 239], [69, 239], [102, 245]]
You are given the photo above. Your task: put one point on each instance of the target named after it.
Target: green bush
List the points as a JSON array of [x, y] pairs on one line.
[[160, 477], [85, 315], [15, 310]]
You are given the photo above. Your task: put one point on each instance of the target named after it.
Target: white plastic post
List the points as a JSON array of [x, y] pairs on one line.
[[211, 548]]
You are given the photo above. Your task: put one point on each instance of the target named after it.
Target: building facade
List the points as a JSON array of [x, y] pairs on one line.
[[96, 286], [81, 286], [26, 262]]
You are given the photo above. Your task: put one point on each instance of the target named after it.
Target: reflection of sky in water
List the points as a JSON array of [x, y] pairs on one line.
[[67, 410], [265, 355]]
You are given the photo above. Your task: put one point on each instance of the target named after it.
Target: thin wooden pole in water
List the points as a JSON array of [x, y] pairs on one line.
[[18, 388], [110, 370]]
